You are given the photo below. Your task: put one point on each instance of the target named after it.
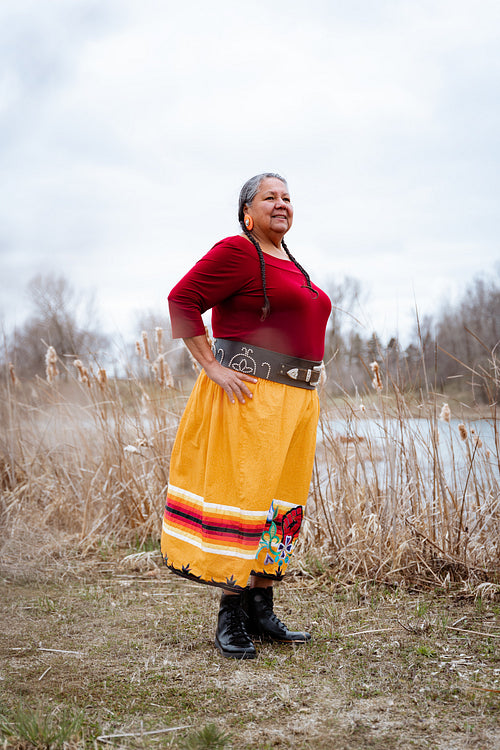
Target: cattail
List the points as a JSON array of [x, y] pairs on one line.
[[477, 441], [102, 378], [158, 368], [377, 381], [138, 348], [159, 340], [462, 431], [145, 343], [162, 372], [168, 375], [13, 375], [51, 369], [83, 373], [445, 413]]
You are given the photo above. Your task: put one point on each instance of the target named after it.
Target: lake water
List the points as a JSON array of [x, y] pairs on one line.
[[380, 438]]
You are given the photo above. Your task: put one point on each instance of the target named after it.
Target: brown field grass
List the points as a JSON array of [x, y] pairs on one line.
[[113, 650], [84, 461], [397, 577]]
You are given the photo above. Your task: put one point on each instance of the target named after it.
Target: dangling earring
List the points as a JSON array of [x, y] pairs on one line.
[[248, 221]]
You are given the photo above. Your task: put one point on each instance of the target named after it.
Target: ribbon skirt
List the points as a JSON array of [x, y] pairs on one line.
[[239, 481]]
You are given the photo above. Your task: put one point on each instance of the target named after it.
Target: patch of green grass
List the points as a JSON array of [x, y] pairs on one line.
[[266, 661], [425, 650], [421, 609], [478, 605], [93, 593], [46, 605], [151, 544], [444, 620], [208, 738], [314, 565], [488, 648], [44, 731], [106, 548], [365, 691]]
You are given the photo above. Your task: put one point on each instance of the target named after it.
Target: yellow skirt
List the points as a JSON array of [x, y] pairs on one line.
[[239, 481]]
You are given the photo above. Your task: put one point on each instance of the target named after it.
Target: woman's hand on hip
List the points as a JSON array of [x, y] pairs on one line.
[[231, 381]]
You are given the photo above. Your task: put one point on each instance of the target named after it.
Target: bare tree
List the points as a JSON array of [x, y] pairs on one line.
[[345, 296], [60, 317], [456, 345]]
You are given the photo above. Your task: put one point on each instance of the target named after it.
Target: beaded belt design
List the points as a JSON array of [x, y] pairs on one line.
[[264, 363]]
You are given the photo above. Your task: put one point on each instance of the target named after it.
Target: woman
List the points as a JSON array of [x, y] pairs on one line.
[[242, 460]]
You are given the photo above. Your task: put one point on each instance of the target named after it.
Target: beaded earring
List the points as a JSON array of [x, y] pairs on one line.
[[248, 221]]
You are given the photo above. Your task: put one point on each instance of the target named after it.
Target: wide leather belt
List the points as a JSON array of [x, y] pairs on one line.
[[264, 363]]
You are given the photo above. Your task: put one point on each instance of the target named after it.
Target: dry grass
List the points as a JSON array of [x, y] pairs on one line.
[[396, 496], [84, 462], [124, 650], [85, 458], [101, 646]]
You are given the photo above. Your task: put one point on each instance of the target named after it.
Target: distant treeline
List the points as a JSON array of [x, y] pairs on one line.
[[455, 349]]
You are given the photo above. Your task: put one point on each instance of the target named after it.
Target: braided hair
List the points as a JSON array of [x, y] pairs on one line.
[[247, 194]]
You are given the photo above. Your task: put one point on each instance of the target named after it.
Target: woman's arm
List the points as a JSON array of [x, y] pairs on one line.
[[230, 380], [222, 272]]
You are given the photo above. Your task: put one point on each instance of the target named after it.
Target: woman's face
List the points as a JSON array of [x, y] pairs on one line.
[[271, 209]]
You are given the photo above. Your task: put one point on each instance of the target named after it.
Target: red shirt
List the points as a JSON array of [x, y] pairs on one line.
[[227, 279]]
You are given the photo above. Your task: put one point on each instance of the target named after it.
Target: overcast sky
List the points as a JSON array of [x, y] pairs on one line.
[[128, 126]]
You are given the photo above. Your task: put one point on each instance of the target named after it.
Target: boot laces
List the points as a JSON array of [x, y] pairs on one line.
[[271, 614], [274, 617], [236, 622]]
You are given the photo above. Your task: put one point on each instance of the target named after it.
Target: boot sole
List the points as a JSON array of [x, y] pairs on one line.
[[280, 642], [270, 639], [234, 654]]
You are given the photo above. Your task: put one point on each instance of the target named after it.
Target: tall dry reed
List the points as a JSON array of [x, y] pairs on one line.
[[84, 457], [403, 487]]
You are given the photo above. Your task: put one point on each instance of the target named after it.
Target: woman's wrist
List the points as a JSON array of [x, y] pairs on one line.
[[200, 350]]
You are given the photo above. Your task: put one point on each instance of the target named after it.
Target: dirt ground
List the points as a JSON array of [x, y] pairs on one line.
[[131, 646]]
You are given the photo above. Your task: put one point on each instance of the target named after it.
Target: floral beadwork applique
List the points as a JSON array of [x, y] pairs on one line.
[[270, 539], [278, 546], [292, 522]]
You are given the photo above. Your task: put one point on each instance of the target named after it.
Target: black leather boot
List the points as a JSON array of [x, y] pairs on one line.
[[263, 623], [231, 637]]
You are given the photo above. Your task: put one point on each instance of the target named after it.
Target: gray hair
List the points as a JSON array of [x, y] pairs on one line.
[[247, 194], [250, 190]]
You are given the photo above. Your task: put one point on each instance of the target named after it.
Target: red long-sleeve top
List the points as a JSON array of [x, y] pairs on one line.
[[228, 280]]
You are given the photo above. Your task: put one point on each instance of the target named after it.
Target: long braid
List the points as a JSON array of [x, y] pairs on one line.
[[247, 194], [267, 305], [302, 270]]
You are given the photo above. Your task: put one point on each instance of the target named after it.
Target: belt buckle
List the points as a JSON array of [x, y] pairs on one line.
[[311, 375], [315, 374]]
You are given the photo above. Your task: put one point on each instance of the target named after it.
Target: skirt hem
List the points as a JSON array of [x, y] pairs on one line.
[[184, 572]]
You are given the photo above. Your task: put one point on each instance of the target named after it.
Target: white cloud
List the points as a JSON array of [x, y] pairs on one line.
[[128, 128]]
